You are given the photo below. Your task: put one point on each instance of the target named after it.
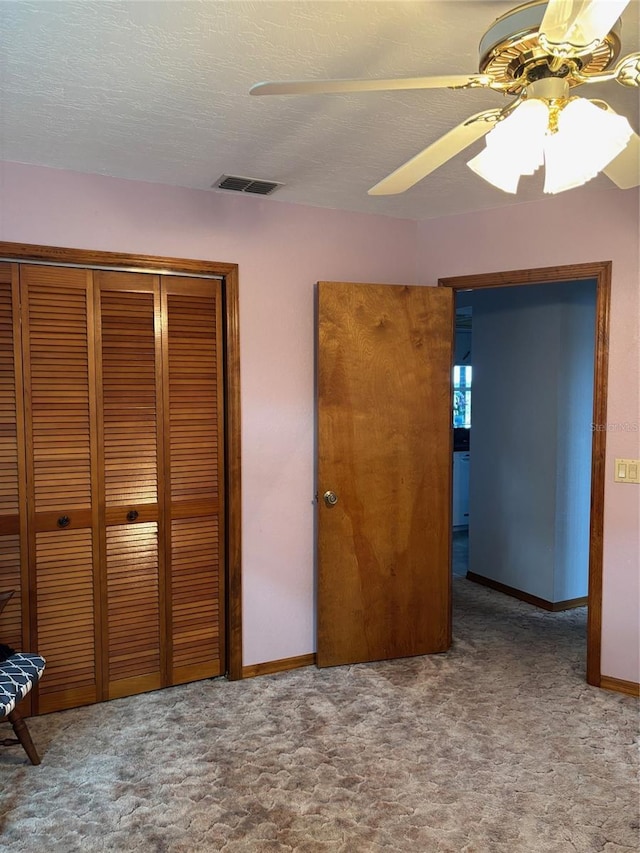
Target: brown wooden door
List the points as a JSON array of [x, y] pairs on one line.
[[194, 472], [62, 481], [12, 513], [112, 478], [130, 461], [385, 449]]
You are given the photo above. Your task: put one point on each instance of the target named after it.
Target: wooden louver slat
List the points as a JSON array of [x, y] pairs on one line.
[[10, 565], [59, 386], [128, 394], [8, 413], [129, 403], [193, 396], [57, 340], [194, 456], [133, 601], [65, 590], [195, 591], [11, 618]]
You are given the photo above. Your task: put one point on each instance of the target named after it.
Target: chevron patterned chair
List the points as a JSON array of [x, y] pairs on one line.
[[18, 674]]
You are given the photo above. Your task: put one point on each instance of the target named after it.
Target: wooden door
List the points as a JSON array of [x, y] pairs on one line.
[[130, 461], [112, 478], [194, 475], [62, 481], [12, 515], [384, 448]]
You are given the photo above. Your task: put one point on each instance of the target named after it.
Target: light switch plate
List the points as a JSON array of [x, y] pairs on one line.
[[627, 471]]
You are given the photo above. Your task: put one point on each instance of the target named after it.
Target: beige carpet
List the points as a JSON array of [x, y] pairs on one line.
[[497, 747]]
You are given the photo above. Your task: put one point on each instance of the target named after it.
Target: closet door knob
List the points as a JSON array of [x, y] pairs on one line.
[[64, 521], [132, 515]]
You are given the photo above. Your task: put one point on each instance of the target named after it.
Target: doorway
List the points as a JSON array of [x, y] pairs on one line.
[[601, 272], [527, 506]]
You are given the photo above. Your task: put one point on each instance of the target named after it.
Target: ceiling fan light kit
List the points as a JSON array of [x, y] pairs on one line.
[[514, 147], [568, 162], [552, 130], [539, 53]]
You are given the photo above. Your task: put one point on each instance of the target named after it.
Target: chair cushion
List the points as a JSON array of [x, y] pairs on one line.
[[18, 674]]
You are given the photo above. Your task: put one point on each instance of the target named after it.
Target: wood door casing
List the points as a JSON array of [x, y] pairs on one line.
[[601, 271], [384, 447]]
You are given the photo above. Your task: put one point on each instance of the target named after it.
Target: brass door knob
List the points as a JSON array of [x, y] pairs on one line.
[[330, 498]]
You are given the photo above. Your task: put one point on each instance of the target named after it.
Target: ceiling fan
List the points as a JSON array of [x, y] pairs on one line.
[[537, 54]]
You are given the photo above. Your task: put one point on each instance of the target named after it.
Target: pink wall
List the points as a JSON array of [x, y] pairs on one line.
[[576, 228], [282, 250]]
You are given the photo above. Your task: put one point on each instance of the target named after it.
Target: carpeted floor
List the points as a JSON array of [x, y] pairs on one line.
[[498, 746]]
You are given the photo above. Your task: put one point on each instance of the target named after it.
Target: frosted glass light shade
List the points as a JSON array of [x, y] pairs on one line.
[[488, 164], [588, 139], [514, 147]]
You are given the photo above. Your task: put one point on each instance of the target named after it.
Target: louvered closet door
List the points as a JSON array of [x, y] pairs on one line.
[[12, 520], [195, 477], [62, 481], [128, 404]]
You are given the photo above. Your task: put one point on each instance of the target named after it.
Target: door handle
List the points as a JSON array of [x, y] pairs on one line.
[[330, 498]]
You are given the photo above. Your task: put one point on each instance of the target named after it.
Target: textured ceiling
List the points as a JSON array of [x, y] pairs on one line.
[[158, 91]]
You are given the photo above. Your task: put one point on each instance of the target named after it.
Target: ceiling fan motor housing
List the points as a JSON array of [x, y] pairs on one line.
[[511, 52]]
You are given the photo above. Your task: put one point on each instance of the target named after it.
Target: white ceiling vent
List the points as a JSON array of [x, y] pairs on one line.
[[236, 184]]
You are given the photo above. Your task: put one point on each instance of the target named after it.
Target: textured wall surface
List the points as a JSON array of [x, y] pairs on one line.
[[159, 91]]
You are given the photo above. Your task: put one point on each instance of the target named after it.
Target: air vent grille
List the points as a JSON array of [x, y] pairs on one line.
[[236, 184]]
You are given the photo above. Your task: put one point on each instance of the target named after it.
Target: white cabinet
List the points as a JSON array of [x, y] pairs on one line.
[[461, 461]]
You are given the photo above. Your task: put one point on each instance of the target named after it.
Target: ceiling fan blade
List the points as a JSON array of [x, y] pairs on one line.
[[624, 170], [573, 27], [331, 87], [435, 155]]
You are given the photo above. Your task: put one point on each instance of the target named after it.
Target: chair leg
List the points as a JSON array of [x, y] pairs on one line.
[[22, 733]]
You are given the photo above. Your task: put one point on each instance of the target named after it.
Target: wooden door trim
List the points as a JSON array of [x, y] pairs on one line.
[[233, 472], [26, 252], [601, 272]]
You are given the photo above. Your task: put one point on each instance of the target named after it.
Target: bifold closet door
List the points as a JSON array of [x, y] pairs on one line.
[[62, 481], [193, 458], [130, 457], [112, 480], [12, 520]]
